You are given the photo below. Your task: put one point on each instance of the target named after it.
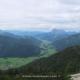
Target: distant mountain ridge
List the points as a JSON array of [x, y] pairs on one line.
[[52, 35]]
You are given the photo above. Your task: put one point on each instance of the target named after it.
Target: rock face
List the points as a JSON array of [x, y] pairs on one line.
[[76, 76]]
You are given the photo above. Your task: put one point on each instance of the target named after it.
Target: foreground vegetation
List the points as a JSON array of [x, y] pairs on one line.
[[16, 76]]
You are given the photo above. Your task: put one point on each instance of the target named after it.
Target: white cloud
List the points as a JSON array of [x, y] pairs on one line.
[[39, 14]]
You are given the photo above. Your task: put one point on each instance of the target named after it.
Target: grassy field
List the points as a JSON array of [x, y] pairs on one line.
[[6, 63]]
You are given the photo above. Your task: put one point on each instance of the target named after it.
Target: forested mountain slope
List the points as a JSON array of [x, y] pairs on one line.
[[69, 41], [67, 61], [16, 46]]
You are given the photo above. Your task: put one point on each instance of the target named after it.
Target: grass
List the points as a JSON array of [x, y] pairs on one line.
[[6, 63]]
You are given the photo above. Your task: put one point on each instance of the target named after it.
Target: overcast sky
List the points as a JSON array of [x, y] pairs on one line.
[[40, 14]]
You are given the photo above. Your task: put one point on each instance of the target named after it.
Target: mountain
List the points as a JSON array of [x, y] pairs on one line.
[[15, 46], [69, 41], [55, 34], [66, 61], [27, 33]]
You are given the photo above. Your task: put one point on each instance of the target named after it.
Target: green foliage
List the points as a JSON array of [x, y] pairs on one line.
[[67, 61]]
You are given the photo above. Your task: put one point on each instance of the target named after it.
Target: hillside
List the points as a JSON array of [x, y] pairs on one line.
[[69, 41], [15, 46], [67, 61]]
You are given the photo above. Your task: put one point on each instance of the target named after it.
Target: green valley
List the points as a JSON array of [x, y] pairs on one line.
[[15, 62]]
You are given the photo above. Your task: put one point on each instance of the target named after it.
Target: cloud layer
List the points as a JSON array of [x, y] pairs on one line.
[[40, 14]]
